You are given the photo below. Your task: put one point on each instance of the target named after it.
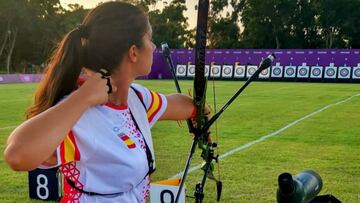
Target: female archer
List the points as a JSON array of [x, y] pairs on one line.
[[98, 132]]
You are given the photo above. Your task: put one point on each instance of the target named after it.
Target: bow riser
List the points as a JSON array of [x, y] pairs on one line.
[[200, 82]]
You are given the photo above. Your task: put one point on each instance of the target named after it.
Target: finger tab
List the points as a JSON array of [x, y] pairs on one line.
[[108, 83], [106, 75]]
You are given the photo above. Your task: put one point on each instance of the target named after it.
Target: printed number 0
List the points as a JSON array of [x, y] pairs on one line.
[[162, 196], [42, 185]]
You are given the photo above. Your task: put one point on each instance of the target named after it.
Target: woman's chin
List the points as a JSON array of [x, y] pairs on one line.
[[147, 73], [143, 74]]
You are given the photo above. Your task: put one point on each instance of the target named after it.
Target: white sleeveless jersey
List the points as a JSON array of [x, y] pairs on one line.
[[105, 152]]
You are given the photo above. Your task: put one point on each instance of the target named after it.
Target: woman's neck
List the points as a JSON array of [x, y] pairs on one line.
[[122, 81]]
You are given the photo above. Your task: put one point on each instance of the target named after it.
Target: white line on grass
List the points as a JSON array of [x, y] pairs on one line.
[[14, 100], [284, 88], [8, 127], [247, 145]]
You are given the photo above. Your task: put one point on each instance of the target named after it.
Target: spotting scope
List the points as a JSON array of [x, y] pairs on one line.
[[301, 188]]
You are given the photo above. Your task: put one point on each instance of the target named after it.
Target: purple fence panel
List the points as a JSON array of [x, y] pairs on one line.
[[20, 78], [295, 57], [285, 57], [10, 78]]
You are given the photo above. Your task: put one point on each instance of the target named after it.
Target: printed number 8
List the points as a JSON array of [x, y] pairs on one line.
[[40, 186]]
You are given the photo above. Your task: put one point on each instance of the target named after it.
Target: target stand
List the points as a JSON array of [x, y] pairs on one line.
[[344, 73], [227, 72], [356, 73], [181, 70], [330, 72], [316, 73], [250, 70], [303, 72], [290, 73], [277, 72], [239, 71]]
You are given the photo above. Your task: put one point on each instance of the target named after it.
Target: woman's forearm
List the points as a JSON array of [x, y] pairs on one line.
[[35, 140], [179, 107]]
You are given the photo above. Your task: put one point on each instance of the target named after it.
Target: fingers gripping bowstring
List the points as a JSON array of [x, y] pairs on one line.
[[106, 75]]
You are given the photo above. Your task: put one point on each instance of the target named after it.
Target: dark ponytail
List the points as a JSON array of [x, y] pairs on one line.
[[101, 41], [60, 75]]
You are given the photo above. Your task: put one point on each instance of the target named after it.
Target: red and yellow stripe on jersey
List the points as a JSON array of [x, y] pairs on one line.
[[156, 103], [128, 141], [69, 150]]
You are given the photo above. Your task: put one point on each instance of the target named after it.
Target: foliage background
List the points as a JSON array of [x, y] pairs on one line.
[[30, 29]]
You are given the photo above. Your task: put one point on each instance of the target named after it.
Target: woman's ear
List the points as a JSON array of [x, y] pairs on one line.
[[133, 53]]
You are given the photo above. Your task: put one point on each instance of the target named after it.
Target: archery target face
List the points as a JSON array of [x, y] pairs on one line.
[[191, 70], [330, 72], [227, 71], [276, 71], [265, 73], [215, 71], [303, 71], [181, 70], [289, 71], [207, 68], [239, 71], [344, 72], [316, 72], [250, 71], [356, 72]]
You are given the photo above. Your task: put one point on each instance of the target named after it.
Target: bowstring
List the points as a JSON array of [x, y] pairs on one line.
[[216, 123]]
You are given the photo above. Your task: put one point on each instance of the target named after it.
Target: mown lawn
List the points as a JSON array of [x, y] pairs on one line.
[[325, 138]]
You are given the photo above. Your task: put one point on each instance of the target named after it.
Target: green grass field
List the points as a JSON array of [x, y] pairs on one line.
[[325, 138]]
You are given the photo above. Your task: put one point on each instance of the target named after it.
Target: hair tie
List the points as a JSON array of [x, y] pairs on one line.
[[84, 32]]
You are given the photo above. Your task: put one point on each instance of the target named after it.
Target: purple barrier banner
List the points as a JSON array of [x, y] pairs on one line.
[[290, 64], [20, 78], [284, 57]]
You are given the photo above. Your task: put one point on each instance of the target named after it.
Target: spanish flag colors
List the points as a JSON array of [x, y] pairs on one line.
[[130, 144], [69, 150], [155, 105]]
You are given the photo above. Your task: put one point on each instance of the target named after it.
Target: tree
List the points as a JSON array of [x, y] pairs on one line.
[[329, 21], [268, 24], [339, 23], [170, 25], [304, 34], [224, 31], [31, 28], [72, 17], [10, 23], [350, 29]]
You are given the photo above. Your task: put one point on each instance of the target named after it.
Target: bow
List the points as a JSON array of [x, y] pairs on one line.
[[201, 135]]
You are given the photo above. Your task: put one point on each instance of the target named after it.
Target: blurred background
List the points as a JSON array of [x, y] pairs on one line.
[[30, 29]]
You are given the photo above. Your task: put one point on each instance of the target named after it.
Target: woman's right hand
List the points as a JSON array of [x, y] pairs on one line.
[[95, 90]]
